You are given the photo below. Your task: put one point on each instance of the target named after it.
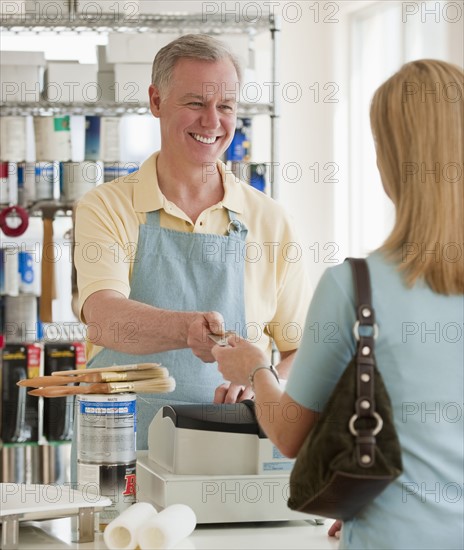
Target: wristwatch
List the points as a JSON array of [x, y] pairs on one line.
[[254, 371]]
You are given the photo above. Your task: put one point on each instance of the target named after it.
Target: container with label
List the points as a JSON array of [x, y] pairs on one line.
[[76, 178], [115, 170], [4, 183], [52, 138], [47, 180], [106, 458]]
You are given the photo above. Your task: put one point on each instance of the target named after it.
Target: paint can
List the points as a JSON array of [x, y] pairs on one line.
[[106, 458], [47, 180], [76, 178], [21, 319], [13, 138], [52, 138], [115, 170]]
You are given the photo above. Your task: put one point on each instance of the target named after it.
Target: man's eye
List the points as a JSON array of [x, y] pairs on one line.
[[195, 104], [227, 107]]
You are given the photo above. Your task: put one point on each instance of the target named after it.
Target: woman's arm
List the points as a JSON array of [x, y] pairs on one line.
[[284, 421]]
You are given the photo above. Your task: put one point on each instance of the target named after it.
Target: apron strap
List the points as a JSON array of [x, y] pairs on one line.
[[153, 218], [236, 227]]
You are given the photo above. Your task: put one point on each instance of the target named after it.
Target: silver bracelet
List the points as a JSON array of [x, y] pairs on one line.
[[270, 368]]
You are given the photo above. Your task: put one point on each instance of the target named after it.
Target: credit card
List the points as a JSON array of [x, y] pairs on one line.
[[221, 340]]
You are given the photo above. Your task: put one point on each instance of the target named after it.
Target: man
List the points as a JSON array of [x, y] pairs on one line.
[[183, 248]]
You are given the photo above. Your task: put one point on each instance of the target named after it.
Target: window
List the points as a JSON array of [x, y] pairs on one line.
[[383, 37]]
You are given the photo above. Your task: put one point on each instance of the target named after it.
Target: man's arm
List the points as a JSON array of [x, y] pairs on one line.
[[132, 327]]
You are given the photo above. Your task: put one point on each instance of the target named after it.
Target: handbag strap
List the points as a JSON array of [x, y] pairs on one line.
[[365, 331]]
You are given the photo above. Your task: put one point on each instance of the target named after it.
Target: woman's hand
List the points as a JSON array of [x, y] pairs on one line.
[[237, 360]]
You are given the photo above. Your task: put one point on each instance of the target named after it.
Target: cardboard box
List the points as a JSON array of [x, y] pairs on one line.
[[105, 76], [106, 83], [23, 58], [136, 48], [21, 83], [71, 82], [103, 63], [21, 76], [131, 82]]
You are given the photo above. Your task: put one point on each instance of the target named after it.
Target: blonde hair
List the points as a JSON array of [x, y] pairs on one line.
[[417, 119]]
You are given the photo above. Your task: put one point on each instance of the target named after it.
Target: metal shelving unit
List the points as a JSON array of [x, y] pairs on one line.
[[48, 108], [168, 22], [215, 24]]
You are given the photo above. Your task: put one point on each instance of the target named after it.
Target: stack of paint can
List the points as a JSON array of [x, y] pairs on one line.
[[19, 288], [101, 145], [106, 458], [12, 155], [52, 145]]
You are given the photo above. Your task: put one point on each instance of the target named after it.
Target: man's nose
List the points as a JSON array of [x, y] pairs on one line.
[[210, 118]]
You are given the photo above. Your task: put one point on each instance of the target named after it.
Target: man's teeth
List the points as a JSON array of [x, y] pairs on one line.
[[204, 139]]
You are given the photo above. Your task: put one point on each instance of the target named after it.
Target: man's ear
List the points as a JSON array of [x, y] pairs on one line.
[[155, 100]]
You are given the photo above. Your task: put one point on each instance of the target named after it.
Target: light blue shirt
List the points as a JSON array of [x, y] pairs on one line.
[[420, 353]]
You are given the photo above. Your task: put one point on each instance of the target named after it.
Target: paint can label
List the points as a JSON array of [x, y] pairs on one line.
[[106, 429], [115, 481]]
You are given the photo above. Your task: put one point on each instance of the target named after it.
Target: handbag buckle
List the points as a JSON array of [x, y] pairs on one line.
[[378, 426], [375, 328]]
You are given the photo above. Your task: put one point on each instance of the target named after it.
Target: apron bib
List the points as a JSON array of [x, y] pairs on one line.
[[184, 272]]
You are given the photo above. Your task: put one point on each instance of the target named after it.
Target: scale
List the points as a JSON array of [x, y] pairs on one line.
[[215, 459]]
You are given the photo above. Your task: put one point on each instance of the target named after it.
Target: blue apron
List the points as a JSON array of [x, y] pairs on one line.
[[184, 272]]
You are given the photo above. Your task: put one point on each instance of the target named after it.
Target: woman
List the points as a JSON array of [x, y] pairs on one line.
[[418, 285]]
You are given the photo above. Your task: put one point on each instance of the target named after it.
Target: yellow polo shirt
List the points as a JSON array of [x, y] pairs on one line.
[[277, 292]]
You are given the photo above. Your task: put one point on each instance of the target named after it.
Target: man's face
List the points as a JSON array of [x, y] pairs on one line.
[[198, 112]]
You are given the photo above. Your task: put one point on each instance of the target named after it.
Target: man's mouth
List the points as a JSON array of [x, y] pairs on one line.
[[204, 139]]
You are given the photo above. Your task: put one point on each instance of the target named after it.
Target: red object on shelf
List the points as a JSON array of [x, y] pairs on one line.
[[14, 231]]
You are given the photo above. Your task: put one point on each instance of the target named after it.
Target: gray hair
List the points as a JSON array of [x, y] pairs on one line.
[[193, 46]]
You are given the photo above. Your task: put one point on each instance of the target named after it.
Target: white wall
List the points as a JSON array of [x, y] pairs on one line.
[[308, 57], [319, 131]]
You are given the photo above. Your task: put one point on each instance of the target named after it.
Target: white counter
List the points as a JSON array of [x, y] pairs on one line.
[[56, 535]]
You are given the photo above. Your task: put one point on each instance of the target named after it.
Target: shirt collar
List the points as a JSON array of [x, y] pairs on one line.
[[148, 196]]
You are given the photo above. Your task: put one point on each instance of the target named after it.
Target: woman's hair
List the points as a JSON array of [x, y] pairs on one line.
[[193, 46], [417, 119]]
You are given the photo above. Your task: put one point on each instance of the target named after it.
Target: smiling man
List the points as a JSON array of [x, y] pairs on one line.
[[183, 247]]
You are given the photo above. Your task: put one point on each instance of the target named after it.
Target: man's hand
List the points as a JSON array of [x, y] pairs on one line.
[[232, 393], [335, 529], [197, 337]]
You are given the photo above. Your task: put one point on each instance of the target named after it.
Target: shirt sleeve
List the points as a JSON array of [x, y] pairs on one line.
[[328, 343], [103, 252], [293, 294]]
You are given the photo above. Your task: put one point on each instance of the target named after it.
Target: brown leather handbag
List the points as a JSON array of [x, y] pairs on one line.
[[353, 453]]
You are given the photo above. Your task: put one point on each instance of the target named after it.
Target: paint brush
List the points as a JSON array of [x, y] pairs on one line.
[[94, 377], [114, 368], [161, 385]]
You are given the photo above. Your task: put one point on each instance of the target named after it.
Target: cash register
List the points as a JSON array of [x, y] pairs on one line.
[[216, 459]]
